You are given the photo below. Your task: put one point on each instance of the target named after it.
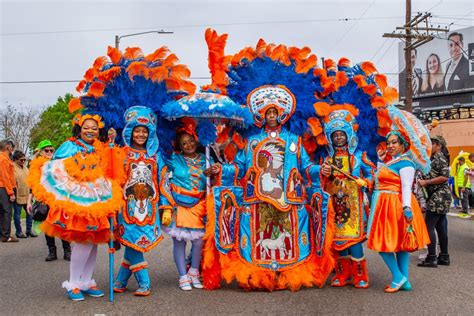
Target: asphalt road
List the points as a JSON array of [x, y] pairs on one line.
[[31, 286]]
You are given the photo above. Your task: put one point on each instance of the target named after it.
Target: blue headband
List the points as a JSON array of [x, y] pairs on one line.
[[399, 136]]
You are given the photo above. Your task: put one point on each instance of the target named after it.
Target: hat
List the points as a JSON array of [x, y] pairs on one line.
[[440, 139], [44, 143]]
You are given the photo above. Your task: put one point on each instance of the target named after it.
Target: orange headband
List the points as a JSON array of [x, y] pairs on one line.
[[80, 119]]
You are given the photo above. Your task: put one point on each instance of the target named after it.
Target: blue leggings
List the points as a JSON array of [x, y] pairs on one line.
[[133, 256], [398, 265], [356, 251], [179, 254]]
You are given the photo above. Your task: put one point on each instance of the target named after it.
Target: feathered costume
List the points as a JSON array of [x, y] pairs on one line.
[[126, 89], [261, 230], [77, 190]]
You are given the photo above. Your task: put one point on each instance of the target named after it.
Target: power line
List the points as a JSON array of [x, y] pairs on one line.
[[69, 81], [385, 53], [378, 50], [352, 26], [200, 25]]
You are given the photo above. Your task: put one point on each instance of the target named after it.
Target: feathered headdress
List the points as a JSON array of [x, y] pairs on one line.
[[117, 82], [362, 88], [286, 72]]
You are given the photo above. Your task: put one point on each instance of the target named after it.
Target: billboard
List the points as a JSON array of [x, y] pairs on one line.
[[443, 70]]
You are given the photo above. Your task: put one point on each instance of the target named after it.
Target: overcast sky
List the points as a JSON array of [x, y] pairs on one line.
[[59, 40]]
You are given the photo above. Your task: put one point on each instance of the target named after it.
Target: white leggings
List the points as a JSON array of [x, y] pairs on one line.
[[81, 268]]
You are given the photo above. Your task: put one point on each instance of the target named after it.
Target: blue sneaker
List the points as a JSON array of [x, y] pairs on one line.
[[93, 291], [75, 295]]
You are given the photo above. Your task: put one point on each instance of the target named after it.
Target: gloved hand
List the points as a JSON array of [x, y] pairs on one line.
[[166, 219], [407, 213], [360, 182]]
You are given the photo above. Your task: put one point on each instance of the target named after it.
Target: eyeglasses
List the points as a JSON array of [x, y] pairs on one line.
[[48, 150]]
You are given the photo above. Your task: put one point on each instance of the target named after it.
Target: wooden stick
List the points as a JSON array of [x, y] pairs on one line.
[[344, 173]]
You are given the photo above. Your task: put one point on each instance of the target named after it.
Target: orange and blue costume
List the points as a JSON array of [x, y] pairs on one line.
[[389, 223]]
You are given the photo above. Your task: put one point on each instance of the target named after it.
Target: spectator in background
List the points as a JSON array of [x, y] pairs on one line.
[[457, 70], [464, 185], [7, 190], [437, 204], [22, 192], [470, 174], [433, 77], [45, 149]]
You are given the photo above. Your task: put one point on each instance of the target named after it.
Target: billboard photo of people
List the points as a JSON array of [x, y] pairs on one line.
[[440, 67]]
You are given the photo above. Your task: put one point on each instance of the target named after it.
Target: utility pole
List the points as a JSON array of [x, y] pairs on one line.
[[413, 36]]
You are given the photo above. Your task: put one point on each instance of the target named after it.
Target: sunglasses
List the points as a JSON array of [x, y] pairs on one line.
[[48, 150], [22, 159]]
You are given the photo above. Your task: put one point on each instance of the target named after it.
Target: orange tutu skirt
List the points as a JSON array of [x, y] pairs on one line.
[[389, 226]]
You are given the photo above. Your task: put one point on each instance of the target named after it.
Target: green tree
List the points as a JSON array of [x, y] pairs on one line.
[[54, 123]]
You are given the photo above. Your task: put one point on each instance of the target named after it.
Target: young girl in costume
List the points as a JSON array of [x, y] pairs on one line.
[[188, 188], [393, 208], [139, 222], [81, 200]]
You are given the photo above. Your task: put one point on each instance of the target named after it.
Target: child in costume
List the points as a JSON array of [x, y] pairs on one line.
[[139, 222], [395, 213], [262, 235], [188, 188], [80, 198], [348, 184]]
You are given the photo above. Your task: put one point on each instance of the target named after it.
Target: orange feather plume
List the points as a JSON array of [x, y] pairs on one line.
[[74, 105], [180, 72], [390, 94], [309, 143], [360, 81], [341, 79], [137, 68], [100, 62], [378, 101], [306, 65], [158, 74], [322, 109], [239, 140], [261, 46], [321, 140], [320, 72], [90, 74], [96, 89], [188, 86], [172, 84], [81, 86], [368, 68], [330, 64], [370, 89], [381, 81], [133, 53], [344, 62], [315, 126], [170, 60], [109, 74], [114, 54], [158, 54]]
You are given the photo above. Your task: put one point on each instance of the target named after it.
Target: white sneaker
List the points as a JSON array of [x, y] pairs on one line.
[[185, 283], [194, 275]]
